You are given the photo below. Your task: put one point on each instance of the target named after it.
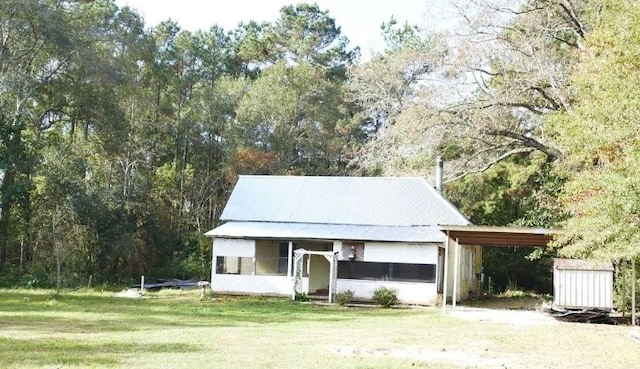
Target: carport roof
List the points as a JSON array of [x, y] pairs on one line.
[[500, 236]]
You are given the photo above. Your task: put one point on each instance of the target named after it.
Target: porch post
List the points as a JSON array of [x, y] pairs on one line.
[[334, 275], [456, 261], [332, 258], [213, 260], [298, 257], [290, 259], [331, 280], [446, 273]]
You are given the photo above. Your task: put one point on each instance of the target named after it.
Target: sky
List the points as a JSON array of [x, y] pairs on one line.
[[359, 20]]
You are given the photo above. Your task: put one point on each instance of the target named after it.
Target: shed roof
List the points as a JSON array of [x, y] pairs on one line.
[[314, 231], [581, 264], [371, 201]]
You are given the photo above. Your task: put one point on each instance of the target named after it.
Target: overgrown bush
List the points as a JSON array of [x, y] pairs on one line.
[[344, 297], [385, 296]]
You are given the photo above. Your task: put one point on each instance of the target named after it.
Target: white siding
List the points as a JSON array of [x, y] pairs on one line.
[[397, 252], [408, 292], [233, 247], [583, 288], [251, 284]]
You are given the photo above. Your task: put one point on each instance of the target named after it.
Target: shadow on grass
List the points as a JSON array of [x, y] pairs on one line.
[[48, 351], [89, 313]]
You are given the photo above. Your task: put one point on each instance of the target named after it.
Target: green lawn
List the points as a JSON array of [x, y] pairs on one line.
[[39, 329]]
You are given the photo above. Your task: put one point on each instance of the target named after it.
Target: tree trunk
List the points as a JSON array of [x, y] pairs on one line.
[[5, 210]]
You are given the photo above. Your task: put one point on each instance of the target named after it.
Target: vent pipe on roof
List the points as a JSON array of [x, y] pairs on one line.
[[439, 169]]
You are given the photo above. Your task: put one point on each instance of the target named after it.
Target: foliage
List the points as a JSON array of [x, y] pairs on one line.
[[385, 296], [623, 287], [302, 297], [304, 34], [600, 134], [119, 143], [293, 112], [485, 92], [344, 297]]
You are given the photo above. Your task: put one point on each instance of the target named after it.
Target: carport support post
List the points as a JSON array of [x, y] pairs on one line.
[[446, 273], [455, 274], [633, 291]]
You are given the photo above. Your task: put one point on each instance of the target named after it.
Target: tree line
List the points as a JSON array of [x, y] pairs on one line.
[[120, 143]]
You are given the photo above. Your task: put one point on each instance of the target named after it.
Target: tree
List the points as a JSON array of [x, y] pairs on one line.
[[600, 137], [506, 68], [34, 52], [387, 85], [296, 113], [303, 34], [61, 234]]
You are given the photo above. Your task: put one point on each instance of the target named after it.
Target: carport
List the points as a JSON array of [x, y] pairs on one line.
[[488, 236]]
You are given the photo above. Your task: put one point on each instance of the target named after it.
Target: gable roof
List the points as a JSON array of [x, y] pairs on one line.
[[370, 201]]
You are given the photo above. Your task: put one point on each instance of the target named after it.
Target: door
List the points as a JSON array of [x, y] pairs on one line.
[[319, 270]]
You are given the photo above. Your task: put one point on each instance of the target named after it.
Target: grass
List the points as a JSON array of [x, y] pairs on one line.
[[87, 329]]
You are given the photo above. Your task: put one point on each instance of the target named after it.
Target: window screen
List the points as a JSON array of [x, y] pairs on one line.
[[387, 271]]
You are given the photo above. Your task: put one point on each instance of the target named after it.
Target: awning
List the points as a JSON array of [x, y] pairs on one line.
[[500, 236], [314, 231]]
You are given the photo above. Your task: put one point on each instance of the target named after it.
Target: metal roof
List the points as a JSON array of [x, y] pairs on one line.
[[375, 201], [500, 236], [580, 264], [315, 231]]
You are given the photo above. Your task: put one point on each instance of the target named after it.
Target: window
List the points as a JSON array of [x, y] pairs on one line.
[[272, 257], [387, 271], [234, 265]]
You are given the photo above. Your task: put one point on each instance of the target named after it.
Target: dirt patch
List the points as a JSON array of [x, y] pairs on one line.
[[457, 358], [512, 317]]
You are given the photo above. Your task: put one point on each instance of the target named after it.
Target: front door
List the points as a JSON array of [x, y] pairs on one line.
[[319, 270]]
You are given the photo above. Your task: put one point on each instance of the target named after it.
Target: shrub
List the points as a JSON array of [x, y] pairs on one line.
[[515, 292], [344, 297], [385, 296], [302, 297]]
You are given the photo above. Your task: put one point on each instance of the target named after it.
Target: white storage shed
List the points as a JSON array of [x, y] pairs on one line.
[[581, 284]]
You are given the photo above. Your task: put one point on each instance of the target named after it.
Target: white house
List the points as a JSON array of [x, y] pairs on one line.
[[322, 235]]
